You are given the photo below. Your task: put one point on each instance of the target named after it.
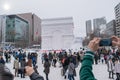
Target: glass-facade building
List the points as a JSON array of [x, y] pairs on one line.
[[17, 31]]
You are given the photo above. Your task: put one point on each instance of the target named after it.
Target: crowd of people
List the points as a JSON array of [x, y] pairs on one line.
[[68, 62], [22, 59], [27, 63]]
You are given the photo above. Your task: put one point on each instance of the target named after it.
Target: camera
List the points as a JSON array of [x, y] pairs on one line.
[[105, 42]]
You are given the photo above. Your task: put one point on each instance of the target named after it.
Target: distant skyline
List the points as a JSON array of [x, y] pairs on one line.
[[80, 10]]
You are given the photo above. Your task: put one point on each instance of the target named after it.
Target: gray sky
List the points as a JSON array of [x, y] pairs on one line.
[[80, 10]]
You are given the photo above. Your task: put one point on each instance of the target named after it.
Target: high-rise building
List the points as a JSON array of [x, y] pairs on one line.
[[117, 16], [14, 30], [97, 23], [88, 27], [57, 33], [110, 28], [34, 27]]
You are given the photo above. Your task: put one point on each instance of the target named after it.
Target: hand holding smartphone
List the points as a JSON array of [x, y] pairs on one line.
[[105, 42]]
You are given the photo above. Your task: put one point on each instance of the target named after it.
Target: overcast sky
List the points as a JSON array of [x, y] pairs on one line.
[[80, 10]]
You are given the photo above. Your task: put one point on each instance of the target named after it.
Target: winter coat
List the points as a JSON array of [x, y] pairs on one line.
[[54, 60], [50, 56], [23, 64], [117, 68], [16, 64], [86, 68], [5, 73], [110, 66], [20, 56], [6, 55], [33, 59], [36, 76], [60, 56], [2, 61], [71, 68], [29, 56], [46, 67], [66, 62]]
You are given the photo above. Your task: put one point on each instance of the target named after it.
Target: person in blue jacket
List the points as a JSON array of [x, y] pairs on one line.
[[2, 61]]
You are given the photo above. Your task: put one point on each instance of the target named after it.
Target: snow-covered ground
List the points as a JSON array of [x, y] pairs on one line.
[[100, 72]]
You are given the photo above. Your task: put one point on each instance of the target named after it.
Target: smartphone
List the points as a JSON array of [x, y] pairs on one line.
[[105, 42]]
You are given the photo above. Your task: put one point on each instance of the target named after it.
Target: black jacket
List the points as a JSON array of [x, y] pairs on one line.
[[5, 73], [36, 76]]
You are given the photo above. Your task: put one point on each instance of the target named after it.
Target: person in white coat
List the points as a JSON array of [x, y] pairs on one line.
[[117, 69], [16, 66], [110, 67]]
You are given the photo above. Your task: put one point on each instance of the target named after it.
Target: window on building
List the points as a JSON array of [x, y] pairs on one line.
[[8, 25]]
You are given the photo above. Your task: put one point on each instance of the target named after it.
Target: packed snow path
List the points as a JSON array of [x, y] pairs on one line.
[[100, 71]]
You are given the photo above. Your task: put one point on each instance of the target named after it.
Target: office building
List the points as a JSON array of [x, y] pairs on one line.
[[88, 27], [34, 27], [14, 31], [97, 23], [110, 29], [117, 19]]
